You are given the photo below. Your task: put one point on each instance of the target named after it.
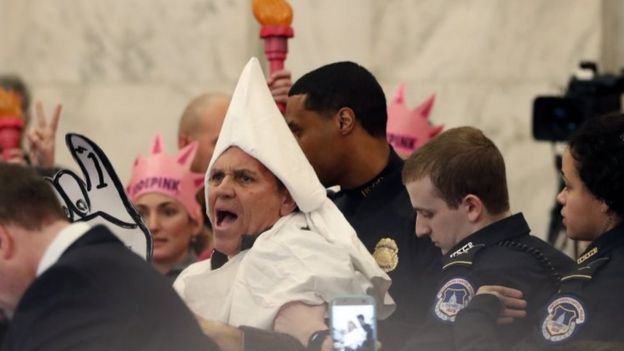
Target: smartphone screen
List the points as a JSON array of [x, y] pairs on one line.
[[353, 323]]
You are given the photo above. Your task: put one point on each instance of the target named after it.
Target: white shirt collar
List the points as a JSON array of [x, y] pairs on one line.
[[63, 240]]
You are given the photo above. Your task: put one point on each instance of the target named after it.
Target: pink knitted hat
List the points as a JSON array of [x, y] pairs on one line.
[[407, 130], [169, 175]]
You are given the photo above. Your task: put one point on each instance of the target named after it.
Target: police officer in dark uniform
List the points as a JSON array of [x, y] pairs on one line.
[[338, 114], [381, 214], [3, 326], [457, 185], [588, 307]]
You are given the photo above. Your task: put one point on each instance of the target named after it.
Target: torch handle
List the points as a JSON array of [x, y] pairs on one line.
[[276, 50]]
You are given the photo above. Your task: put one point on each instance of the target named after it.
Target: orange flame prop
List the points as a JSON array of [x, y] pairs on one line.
[[11, 122], [10, 104], [272, 12], [275, 16]]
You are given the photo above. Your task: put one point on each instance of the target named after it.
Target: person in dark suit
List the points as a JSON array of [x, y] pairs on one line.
[[72, 287]]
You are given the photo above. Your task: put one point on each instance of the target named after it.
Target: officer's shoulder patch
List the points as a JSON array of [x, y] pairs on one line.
[[565, 316], [587, 271], [452, 297], [464, 256]]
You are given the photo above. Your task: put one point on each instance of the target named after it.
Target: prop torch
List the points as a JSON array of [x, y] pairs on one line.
[[11, 121], [275, 17]]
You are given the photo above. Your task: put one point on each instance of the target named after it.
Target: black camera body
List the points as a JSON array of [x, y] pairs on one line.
[[555, 118]]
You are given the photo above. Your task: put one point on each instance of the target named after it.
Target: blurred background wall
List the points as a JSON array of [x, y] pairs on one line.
[[124, 69]]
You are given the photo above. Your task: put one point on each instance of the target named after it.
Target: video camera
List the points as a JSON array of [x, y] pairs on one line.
[[589, 94]]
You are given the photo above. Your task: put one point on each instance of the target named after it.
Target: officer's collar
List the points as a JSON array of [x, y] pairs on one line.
[[504, 229], [394, 163], [601, 246]]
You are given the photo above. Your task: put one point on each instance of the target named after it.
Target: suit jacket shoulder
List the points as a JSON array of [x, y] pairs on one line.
[[101, 296]]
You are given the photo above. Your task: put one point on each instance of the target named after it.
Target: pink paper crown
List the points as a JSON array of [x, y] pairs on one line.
[[169, 175], [408, 130]]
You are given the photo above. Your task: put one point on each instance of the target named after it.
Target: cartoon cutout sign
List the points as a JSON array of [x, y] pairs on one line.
[[99, 197]]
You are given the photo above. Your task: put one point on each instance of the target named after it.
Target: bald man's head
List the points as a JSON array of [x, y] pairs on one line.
[[201, 121]]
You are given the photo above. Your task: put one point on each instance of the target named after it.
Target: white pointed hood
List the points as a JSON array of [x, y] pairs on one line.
[[254, 124]]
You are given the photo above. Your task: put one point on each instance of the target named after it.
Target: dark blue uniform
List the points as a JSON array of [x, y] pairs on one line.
[[589, 304], [587, 307], [502, 253], [3, 327], [382, 215]]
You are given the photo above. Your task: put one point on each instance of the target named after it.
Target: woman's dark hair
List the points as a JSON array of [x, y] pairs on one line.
[[598, 149]]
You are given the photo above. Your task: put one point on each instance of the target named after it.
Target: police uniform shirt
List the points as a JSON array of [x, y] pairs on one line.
[[589, 304], [382, 215], [502, 253], [3, 328]]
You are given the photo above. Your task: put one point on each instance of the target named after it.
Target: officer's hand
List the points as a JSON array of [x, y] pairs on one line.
[[98, 197], [514, 306]]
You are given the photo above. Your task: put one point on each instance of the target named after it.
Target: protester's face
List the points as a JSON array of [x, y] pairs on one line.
[[244, 199], [207, 134], [170, 224], [317, 135], [445, 226], [584, 216]]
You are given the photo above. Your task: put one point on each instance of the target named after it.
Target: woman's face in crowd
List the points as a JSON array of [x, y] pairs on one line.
[[244, 199], [170, 224], [584, 216]]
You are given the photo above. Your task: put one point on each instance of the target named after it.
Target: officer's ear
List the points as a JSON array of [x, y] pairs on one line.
[[345, 117], [474, 207]]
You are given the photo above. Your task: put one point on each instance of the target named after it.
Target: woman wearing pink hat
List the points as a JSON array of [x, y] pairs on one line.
[[163, 189]]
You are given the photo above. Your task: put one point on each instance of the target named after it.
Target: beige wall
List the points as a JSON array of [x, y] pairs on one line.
[[124, 69]]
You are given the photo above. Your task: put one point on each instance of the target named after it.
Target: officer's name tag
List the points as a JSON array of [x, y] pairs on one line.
[[462, 250]]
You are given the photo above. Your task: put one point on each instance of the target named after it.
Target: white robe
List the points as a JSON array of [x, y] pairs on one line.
[[287, 263]]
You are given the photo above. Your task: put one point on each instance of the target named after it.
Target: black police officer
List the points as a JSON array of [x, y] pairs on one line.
[[338, 114]]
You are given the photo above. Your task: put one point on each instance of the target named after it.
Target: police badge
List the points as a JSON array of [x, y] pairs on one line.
[[565, 314], [454, 295], [386, 254]]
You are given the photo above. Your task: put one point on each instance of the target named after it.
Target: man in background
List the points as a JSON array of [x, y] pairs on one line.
[[72, 287]]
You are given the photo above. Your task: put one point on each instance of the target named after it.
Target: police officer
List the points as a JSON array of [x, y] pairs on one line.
[[338, 114], [588, 304], [3, 326], [457, 186]]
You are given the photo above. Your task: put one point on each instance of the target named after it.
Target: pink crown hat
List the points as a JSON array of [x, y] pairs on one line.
[[407, 130], [170, 175]]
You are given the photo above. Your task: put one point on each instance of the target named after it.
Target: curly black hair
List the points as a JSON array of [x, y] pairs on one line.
[[598, 148]]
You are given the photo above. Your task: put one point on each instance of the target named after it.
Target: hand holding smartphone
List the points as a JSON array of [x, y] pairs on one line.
[[353, 323]]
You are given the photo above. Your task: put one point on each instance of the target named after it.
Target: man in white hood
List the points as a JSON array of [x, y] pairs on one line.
[[278, 238]]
